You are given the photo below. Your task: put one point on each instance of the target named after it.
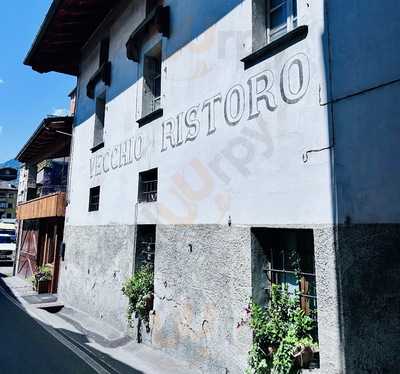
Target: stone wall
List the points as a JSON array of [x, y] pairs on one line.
[[98, 259], [202, 284]]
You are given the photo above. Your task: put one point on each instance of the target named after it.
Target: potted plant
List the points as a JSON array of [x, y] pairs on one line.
[[140, 292], [282, 341], [42, 279]]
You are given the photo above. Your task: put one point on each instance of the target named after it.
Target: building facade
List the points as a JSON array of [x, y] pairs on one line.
[[42, 199], [8, 199], [214, 138]]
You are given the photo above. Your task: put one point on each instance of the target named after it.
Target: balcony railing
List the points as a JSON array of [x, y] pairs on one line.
[[52, 205]]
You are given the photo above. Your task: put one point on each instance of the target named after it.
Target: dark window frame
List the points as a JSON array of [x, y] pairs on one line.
[[94, 199], [152, 83], [100, 115], [148, 186], [145, 245]]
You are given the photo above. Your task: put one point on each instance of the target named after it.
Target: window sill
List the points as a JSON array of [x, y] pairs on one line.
[[271, 49], [97, 147], [150, 117]]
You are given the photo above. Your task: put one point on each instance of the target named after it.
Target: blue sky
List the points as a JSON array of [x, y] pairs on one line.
[[25, 95]]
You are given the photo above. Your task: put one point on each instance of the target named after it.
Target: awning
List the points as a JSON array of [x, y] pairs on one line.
[[65, 30], [52, 139]]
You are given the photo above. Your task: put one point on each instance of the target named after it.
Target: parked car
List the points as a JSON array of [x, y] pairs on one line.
[[7, 248]]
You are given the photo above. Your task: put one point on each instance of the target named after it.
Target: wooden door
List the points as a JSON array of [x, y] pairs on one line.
[[27, 264], [51, 234]]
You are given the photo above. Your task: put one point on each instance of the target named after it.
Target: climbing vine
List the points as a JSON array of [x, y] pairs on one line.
[[282, 341]]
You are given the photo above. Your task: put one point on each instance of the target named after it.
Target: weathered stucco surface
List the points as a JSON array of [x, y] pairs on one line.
[[98, 259], [201, 292], [252, 172], [369, 272]]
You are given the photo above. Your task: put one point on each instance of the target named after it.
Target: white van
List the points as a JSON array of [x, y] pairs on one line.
[[7, 248]]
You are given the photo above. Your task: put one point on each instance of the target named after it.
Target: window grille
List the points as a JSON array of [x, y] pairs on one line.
[[148, 184], [285, 257], [145, 245], [94, 199]]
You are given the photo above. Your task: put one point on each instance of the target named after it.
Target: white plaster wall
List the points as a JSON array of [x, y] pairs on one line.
[[273, 186]]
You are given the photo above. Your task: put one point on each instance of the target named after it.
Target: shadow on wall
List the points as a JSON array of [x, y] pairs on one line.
[[189, 19], [361, 64]]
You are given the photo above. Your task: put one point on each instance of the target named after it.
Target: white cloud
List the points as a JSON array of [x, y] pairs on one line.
[[1, 130], [1, 81], [60, 112]]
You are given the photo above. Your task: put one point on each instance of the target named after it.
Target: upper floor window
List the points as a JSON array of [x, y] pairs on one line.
[[104, 51], [281, 17], [152, 80], [148, 184], [98, 136]]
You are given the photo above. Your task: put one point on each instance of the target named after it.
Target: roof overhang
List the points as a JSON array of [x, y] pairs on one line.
[[52, 139], [66, 28]]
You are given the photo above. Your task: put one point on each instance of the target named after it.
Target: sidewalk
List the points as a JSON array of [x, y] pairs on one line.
[[109, 348]]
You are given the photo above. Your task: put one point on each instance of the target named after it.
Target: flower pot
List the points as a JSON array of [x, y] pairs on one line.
[[303, 356], [43, 286]]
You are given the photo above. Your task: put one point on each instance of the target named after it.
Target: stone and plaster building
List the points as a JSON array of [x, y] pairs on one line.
[[216, 138]]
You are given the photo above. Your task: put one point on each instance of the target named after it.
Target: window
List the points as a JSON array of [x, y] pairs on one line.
[[148, 181], [98, 137], [152, 80], [3, 205], [94, 198], [10, 205], [9, 215], [286, 257], [145, 245], [281, 17]]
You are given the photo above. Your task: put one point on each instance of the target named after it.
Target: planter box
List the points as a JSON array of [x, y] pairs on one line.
[[43, 286]]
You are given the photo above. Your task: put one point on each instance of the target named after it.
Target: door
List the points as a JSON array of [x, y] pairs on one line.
[[27, 264]]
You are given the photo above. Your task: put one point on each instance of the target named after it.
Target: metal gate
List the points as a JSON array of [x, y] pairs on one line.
[[27, 263]]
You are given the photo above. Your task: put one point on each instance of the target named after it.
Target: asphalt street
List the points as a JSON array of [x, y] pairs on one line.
[[27, 347]]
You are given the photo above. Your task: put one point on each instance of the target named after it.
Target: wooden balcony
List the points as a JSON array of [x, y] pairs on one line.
[[52, 205]]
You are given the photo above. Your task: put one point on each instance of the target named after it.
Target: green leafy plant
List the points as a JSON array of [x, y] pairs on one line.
[[44, 273], [140, 291], [282, 335]]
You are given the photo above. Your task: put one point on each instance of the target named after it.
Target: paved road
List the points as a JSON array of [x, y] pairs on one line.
[[26, 347]]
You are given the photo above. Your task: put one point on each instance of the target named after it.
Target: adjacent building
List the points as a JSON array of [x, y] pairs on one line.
[[8, 199], [218, 138], [42, 198]]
